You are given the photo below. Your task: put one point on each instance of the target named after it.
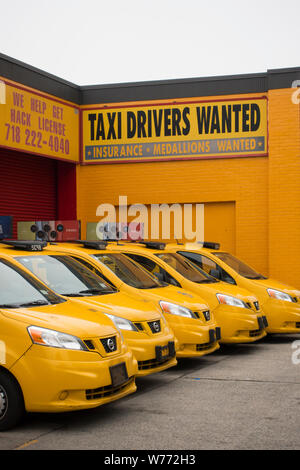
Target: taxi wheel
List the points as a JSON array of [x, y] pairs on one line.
[[11, 402]]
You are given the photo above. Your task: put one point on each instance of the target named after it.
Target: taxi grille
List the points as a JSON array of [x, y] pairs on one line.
[[109, 344], [139, 326], [155, 326], [107, 391], [206, 314], [89, 343]]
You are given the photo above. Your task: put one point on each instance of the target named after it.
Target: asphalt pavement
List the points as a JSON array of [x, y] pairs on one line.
[[240, 397]]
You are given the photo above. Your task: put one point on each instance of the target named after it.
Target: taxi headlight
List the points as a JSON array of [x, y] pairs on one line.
[[232, 301], [54, 339], [174, 309], [122, 323], [279, 295]]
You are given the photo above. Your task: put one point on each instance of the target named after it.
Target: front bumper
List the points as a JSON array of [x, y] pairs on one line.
[[194, 338], [58, 380], [283, 317], [239, 325], [197, 350], [245, 336], [146, 349]]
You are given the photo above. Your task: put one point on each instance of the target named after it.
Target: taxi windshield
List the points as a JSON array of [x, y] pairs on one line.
[[65, 275], [240, 267], [128, 271], [20, 289], [185, 268]]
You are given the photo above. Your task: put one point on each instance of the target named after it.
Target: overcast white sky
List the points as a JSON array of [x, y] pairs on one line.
[[111, 41]]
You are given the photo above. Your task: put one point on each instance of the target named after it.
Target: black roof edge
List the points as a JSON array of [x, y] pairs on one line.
[[285, 70], [173, 81], [190, 87], [175, 88], [25, 74], [283, 78], [33, 77]]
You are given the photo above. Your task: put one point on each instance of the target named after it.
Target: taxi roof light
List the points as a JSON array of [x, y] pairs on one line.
[[26, 245], [154, 245], [210, 245], [94, 244]]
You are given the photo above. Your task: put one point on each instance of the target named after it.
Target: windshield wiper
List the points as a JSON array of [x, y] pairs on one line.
[[153, 286], [72, 294], [259, 276], [34, 303], [83, 293], [9, 306], [207, 281], [96, 291]]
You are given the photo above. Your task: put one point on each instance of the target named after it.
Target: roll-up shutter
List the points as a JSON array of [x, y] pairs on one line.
[[28, 187]]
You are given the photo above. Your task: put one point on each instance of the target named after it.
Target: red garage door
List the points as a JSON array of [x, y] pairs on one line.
[[28, 187]]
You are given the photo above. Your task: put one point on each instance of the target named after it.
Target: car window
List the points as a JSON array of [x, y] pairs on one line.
[[154, 268], [239, 266], [209, 266], [18, 288], [94, 270], [128, 271], [65, 275], [186, 268]]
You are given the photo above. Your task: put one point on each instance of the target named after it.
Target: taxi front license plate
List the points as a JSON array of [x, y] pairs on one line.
[[118, 374], [162, 352]]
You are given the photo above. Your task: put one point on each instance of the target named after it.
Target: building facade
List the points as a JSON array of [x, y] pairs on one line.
[[228, 144]]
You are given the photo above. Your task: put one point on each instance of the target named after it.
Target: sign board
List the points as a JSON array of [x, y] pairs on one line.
[[193, 129], [38, 124]]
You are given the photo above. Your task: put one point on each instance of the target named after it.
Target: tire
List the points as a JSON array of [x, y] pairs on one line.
[[11, 402]]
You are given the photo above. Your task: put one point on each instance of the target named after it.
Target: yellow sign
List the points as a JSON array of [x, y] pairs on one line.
[[35, 123], [174, 131]]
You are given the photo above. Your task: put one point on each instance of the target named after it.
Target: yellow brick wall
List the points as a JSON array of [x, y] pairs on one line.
[[263, 193], [284, 187], [243, 180]]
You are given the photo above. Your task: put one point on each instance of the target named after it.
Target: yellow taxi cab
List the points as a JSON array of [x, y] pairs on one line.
[[187, 314], [279, 302], [56, 354], [141, 321], [236, 310]]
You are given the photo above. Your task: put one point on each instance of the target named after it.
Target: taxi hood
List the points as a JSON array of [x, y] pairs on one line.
[[229, 289], [130, 306], [72, 317], [179, 296], [270, 283]]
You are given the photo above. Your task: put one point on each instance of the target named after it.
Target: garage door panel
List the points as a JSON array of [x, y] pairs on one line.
[[28, 187]]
